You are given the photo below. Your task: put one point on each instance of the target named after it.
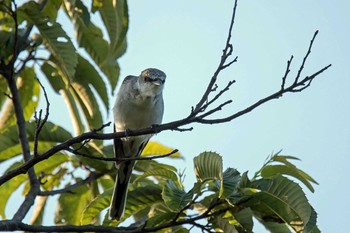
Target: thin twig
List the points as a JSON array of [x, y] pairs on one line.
[[77, 152], [90, 178]]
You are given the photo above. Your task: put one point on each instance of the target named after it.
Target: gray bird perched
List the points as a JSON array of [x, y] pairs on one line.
[[139, 104]]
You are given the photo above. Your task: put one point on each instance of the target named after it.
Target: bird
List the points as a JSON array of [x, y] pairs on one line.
[[139, 104]]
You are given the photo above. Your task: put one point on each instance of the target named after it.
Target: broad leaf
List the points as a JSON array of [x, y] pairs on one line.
[[91, 39], [156, 148], [208, 166], [174, 197], [72, 205], [54, 38], [231, 179], [50, 135], [29, 92], [271, 170], [8, 188], [160, 173], [281, 199]]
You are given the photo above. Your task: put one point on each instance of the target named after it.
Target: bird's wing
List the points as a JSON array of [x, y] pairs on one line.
[[118, 148]]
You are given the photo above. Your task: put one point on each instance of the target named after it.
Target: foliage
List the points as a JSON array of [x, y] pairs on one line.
[[83, 70]]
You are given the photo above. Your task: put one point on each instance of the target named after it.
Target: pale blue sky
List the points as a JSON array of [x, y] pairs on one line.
[[185, 39]]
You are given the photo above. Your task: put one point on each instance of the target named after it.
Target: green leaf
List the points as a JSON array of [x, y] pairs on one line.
[[144, 166], [159, 173], [244, 220], [50, 135], [208, 166], [8, 188], [276, 227], [115, 17], [29, 92], [72, 205], [281, 199], [223, 223], [174, 197], [90, 37], [311, 226], [88, 104], [51, 9], [87, 75], [54, 38], [271, 170], [231, 179]]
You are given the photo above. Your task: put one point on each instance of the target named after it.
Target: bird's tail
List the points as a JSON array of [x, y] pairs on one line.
[[120, 191]]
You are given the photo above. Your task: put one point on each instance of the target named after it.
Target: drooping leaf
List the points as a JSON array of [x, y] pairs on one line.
[[51, 9], [54, 38], [231, 179], [72, 205], [174, 197], [156, 148], [50, 135], [223, 223], [91, 39], [276, 227], [38, 212], [147, 165], [271, 170], [8, 188], [87, 75], [281, 199], [161, 172], [29, 92], [88, 104], [311, 226], [115, 17], [244, 220]]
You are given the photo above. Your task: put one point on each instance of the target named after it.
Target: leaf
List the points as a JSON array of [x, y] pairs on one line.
[[281, 199], [311, 226], [244, 220], [29, 92], [91, 39], [231, 179], [156, 148], [88, 104], [115, 17], [271, 170], [87, 75], [54, 38], [50, 135], [276, 227], [51, 9], [138, 199], [161, 172], [144, 166], [72, 205], [175, 198], [8, 188], [38, 212], [208, 166]]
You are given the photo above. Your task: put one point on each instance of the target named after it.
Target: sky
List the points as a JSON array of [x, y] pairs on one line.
[[185, 40]]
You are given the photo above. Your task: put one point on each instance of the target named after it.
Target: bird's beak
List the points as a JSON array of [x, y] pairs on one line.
[[157, 82]]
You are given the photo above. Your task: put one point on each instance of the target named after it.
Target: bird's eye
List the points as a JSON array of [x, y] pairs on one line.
[[146, 79]]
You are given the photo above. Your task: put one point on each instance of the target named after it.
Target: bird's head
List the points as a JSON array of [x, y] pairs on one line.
[[151, 81]]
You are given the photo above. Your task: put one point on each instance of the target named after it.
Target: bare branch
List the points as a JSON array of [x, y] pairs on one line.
[[225, 54], [39, 124], [90, 178], [305, 58]]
